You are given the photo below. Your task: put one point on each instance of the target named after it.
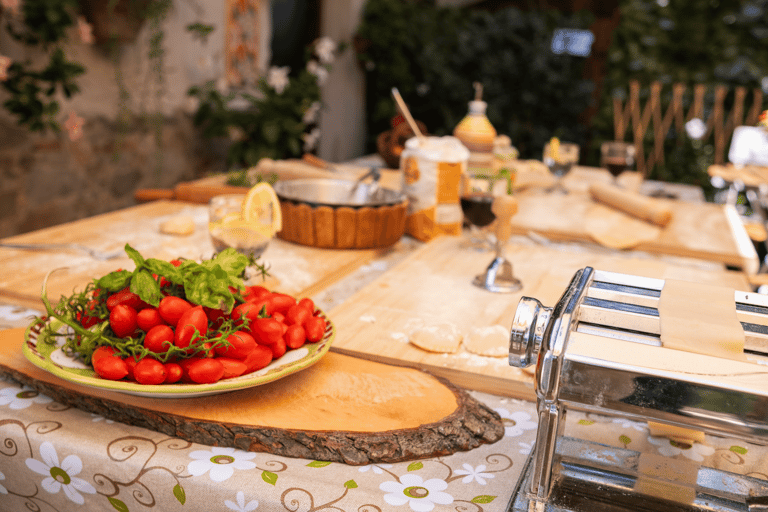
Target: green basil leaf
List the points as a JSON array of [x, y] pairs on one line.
[[165, 269], [114, 281], [137, 258], [230, 260], [145, 286]]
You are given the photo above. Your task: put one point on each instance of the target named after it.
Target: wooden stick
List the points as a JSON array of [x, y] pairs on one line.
[[406, 113]]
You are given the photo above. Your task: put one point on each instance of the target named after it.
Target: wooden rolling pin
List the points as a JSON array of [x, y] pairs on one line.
[[187, 191]]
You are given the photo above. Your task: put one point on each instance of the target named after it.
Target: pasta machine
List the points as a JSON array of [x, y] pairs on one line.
[[599, 350]]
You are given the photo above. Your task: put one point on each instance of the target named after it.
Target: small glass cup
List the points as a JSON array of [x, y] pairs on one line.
[[227, 227], [617, 157], [560, 165]]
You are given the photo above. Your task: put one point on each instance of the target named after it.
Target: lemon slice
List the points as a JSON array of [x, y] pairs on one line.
[[261, 207]]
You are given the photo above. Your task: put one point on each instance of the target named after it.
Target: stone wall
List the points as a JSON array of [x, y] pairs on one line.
[[49, 179]]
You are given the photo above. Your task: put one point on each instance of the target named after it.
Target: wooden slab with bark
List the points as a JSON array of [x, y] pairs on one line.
[[342, 409]]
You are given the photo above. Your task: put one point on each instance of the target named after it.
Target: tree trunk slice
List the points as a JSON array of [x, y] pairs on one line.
[[342, 409]]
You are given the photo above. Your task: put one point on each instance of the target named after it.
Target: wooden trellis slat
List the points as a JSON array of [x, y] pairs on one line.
[[638, 118]]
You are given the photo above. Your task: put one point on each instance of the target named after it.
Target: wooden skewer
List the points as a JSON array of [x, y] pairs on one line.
[[406, 113]]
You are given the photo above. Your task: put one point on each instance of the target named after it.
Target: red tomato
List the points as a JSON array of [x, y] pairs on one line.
[[173, 373], [102, 351], [315, 328], [193, 319], [297, 315], [278, 348], [205, 371], [122, 319], [267, 331], [295, 336], [260, 357], [171, 308], [127, 297], [245, 313], [149, 371], [307, 303], [281, 302], [232, 367], [253, 293], [215, 317], [184, 365], [159, 339], [240, 345], [85, 319], [147, 318], [110, 367], [176, 262], [130, 363]]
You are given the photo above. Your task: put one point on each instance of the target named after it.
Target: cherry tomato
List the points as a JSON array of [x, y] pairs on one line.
[[193, 319], [127, 297], [240, 345], [205, 371], [278, 348], [245, 315], [102, 351], [257, 359], [232, 367], [253, 293], [122, 319], [307, 303], [215, 317], [281, 302], [87, 320], [184, 365], [297, 315], [147, 318], [280, 318], [110, 367], [130, 363], [295, 336], [149, 371], [159, 339], [176, 262], [173, 373], [315, 328], [267, 331], [171, 308]]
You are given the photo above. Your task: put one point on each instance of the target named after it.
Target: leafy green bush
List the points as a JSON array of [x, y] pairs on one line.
[[433, 55]]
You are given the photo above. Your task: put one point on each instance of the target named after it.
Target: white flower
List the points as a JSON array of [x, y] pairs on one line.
[[60, 476], [221, 462], [5, 63], [695, 128], [241, 506], [21, 398], [525, 448], [310, 116], [277, 78], [520, 422], [311, 138], [3, 490], [375, 467], [474, 474], [421, 496], [625, 423], [325, 48], [319, 71], [670, 448]]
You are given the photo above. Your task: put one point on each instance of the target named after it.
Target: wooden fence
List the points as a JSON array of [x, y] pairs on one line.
[[659, 113]]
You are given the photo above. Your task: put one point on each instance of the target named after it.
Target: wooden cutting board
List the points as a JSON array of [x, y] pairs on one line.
[[341, 409], [697, 230], [433, 286], [294, 269]]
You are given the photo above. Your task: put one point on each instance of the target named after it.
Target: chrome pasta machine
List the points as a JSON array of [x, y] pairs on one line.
[[600, 350]]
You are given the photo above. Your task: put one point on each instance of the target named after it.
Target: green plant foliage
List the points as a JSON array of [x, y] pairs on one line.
[[712, 42], [433, 55]]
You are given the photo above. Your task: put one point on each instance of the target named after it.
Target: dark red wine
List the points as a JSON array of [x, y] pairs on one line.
[[616, 166], [477, 208]]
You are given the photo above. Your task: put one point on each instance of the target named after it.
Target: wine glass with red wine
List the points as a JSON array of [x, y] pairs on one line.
[[617, 157]]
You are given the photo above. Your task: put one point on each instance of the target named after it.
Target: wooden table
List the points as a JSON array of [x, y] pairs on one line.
[[294, 269]]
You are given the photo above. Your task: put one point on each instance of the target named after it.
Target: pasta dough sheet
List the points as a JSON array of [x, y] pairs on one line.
[[700, 318]]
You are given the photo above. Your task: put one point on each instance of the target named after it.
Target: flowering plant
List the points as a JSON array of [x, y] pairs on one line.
[[276, 120]]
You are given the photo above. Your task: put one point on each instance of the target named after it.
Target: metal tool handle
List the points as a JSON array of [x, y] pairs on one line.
[[531, 319]]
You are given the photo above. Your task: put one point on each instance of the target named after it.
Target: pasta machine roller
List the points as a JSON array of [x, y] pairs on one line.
[[599, 350]]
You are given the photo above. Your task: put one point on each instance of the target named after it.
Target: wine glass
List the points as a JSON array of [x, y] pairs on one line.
[[617, 157], [476, 206], [560, 157], [498, 277]]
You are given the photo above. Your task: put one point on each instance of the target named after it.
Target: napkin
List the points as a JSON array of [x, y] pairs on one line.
[[637, 205]]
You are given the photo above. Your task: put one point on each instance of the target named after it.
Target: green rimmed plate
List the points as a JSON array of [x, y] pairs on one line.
[[52, 359]]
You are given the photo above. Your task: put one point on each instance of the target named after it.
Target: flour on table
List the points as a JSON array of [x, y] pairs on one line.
[[368, 319], [399, 336], [441, 338], [490, 341]]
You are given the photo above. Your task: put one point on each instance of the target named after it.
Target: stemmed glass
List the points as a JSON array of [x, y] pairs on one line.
[[560, 157], [498, 277], [617, 157]]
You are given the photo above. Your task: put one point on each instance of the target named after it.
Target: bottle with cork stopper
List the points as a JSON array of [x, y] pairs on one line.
[[477, 133]]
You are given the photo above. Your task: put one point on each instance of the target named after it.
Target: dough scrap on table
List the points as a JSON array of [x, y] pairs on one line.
[[441, 338], [490, 341], [617, 230], [180, 225]]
